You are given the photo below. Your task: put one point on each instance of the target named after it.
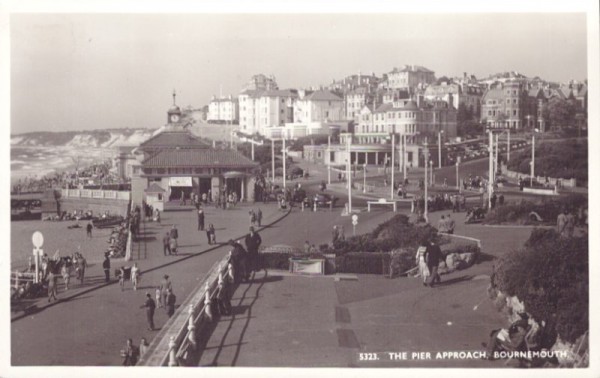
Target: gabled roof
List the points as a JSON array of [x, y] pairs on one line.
[[384, 108], [253, 93], [411, 68], [174, 139], [154, 188], [321, 95], [280, 93], [209, 158]]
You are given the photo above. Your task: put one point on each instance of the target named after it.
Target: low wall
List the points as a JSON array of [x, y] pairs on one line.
[[546, 192], [97, 206], [176, 341], [566, 183]]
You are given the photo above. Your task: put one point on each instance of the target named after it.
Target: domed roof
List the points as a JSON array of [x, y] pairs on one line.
[[174, 109]]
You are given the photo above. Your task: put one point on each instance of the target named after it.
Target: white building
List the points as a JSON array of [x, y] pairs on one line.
[[318, 106], [262, 110], [223, 109], [410, 77]]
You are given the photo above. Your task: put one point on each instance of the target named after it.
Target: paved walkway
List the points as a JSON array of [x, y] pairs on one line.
[[282, 320], [99, 317]]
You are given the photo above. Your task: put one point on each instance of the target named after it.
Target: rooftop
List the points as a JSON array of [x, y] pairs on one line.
[[208, 157], [321, 95], [174, 139]]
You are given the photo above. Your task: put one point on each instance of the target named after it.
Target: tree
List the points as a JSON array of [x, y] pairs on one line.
[[559, 113]]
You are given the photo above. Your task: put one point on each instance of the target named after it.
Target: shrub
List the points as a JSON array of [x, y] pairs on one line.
[[362, 262], [550, 276], [547, 208]]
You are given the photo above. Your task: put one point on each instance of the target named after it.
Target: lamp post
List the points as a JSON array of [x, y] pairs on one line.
[[283, 156], [425, 194], [404, 157], [496, 158], [440, 148], [457, 181], [273, 158], [532, 160], [364, 177], [431, 173], [508, 147], [348, 174], [329, 160], [491, 168], [393, 164]]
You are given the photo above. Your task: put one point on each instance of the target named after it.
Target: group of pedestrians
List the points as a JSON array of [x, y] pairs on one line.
[[255, 217], [446, 224], [170, 244]]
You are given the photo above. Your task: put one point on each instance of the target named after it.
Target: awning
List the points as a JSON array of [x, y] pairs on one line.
[[233, 174], [180, 181]]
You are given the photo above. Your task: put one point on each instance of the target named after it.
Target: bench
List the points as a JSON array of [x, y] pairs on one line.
[[381, 202]]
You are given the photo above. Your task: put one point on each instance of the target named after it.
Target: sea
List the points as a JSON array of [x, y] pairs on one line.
[[36, 162]]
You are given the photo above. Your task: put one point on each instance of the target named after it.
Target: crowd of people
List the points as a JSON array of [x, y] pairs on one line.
[[99, 174]]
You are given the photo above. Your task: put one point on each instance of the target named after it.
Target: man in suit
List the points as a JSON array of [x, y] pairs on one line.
[[170, 302], [253, 241], [166, 244], [150, 305], [433, 256], [106, 267]]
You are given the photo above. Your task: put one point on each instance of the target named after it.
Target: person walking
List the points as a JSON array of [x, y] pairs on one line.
[[173, 245], [170, 302], [106, 267], [165, 286], [122, 277], [421, 263], [210, 234], [335, 235], [433, 255], [89, 228], [259, 216], [135, 275], [167, 244], [143, 346], [442, 225], [200, 219], [81, 264], [65, 272], [52, 286], [130, 354], [150, 305], [253, 242], [157, 296], [570, 226], [561, 224], [451, 224], [240, 259], [252, 215], [174, 233]]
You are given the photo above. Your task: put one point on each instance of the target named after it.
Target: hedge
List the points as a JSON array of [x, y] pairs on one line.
[[548, 209], [550, 276]]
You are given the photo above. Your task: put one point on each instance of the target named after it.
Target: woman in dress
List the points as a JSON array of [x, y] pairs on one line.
[[421, 262], [135, 275]]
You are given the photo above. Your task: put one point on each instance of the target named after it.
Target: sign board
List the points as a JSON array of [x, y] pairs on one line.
[[38, 252], [354, 220], [180, 181], [37, 239], [308, 266]]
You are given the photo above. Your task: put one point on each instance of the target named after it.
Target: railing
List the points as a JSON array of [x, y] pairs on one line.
[[176, 343], [96, 194], [560, 182]]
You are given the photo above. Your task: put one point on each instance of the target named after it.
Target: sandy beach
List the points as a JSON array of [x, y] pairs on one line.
[[56, 236]]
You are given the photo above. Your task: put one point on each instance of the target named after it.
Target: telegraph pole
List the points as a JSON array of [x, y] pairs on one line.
[[393, 164]]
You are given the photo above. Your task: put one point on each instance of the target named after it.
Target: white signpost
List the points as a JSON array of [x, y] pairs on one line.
[[38, 241], [354, 223]]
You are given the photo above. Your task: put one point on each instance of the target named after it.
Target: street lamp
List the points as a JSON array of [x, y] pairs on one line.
[[283, 156], [392, 165], [425, 194], [457, 181], [348, 173], [364, 177], [329, 160], [440, 148], [491, 168], [273, 157], [532, 157], [404, 157], [431, 173]]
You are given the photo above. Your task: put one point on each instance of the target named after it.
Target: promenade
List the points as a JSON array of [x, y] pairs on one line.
[[90, 323]]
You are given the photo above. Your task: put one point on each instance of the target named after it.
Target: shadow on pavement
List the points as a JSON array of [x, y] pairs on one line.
[[454, 280]]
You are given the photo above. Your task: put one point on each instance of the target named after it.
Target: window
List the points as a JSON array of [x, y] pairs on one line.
[[514, 112], [508, 100], [514, 101]]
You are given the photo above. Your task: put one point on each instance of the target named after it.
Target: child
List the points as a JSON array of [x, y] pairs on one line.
[[157, 296]]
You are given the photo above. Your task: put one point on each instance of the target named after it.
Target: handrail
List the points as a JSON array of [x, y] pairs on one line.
[[177, 339]]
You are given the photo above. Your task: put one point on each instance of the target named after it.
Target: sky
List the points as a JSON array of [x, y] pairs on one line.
[[97, 71]]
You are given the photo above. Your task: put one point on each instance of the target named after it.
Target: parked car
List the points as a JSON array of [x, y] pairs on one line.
[[322, 200]]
